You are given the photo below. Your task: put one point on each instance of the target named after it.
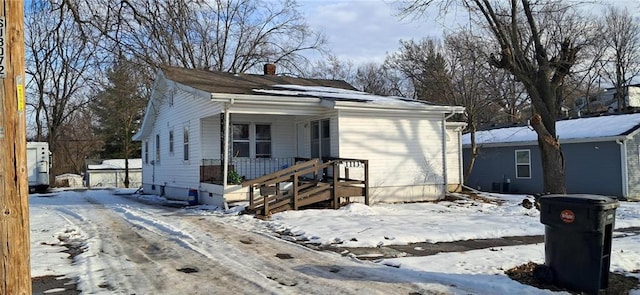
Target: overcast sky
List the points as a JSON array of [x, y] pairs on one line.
[[365, 30]]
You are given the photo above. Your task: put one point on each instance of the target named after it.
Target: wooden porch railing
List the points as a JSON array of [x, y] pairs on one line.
[[311, 182]]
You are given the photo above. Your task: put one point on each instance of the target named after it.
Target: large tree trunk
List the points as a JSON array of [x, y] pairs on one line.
[[126, 171], [552, 158], [474, 150]]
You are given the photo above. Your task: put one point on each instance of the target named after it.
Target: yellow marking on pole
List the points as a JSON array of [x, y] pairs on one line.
[[20, 93]]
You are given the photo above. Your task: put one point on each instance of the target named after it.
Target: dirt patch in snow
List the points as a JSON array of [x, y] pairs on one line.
[[426, 249], [53, 285], [618, 284]]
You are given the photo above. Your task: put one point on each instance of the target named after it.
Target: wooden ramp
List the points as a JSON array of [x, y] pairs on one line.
[[308, 183]]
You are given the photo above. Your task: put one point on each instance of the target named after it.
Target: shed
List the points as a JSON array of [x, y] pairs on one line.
[[602, 156], [259, 124], [69, 180]]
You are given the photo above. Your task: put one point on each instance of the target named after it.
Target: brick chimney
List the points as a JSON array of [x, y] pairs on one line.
[[270, 69]]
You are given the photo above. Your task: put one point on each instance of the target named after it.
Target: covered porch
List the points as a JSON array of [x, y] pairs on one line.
[[250, 139]]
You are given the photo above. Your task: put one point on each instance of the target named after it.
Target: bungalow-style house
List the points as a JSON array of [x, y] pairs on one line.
[[111, 173], [602, 156], [198, 120]]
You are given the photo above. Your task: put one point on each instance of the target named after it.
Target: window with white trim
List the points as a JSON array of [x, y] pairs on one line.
[[186, 143], [171, 142], [523, 164], [320, 138], [146, 152], [263, 141], [251, 140], [157, 148], [241, 142]]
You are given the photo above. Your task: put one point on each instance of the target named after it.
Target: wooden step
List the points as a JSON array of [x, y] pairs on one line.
[[280, 209], [321, 186], [349, 191], [278, 205], [315, 198]]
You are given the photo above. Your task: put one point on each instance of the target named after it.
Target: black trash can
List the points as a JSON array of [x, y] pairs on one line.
[[577, 239]]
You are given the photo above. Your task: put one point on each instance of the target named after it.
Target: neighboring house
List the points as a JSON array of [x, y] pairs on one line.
[[111, 173], [606, 101], [266, 121], [602, 156]]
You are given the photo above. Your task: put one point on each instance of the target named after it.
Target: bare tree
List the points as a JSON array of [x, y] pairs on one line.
[[369, 77], [379, 79], [331, 68], [509, 95], [483, 90], [622, 60], [58, 66], [224, 35], [75, 143], [538, 43], [423, 63]]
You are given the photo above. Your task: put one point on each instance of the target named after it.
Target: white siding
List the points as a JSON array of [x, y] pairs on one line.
[[404, 153], [210, 134], [334, 133], [172, 175], [633, 96]]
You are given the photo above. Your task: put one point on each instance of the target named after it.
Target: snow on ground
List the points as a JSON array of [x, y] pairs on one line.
[[356, 225]]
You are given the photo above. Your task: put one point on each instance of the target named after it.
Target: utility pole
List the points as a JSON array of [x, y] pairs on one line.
[[15, 267]]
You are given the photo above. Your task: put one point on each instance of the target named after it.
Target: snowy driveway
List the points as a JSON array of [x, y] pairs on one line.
[[129, 247]]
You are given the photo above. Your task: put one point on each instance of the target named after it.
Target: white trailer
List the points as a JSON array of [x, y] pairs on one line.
[[38, 164]]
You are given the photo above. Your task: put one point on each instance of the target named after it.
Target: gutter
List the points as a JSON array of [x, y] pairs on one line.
[[624, 168], [535, 142], [360, 106], [263, 99]]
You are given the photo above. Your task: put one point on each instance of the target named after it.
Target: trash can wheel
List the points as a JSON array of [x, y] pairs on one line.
[[543, 274]]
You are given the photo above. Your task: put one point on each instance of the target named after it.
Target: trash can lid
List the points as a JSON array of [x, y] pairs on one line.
[[579, 199]]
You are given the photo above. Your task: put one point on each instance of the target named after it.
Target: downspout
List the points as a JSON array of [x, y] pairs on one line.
[[625, 169], [444, 151], [461, 159]]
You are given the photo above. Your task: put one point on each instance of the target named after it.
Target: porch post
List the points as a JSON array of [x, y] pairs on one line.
[[225, 153]]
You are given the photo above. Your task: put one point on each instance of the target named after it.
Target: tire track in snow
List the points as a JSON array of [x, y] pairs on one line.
[[212, 276], [210, 250]]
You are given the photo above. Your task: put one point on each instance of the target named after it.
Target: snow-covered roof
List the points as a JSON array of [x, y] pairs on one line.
[[115, 164], [567, 130], [338, 94], [67, 175], [282, 94]]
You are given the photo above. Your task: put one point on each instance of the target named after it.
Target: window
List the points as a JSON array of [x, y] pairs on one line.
[[146, 152], [171, 142], [241, 140], [157, 148], [186, 143], [251, 141], [523, 164], [320, 138], [263, 141]]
